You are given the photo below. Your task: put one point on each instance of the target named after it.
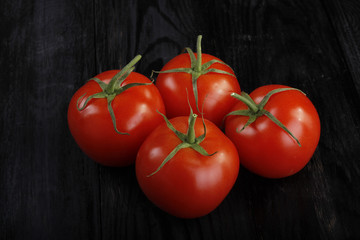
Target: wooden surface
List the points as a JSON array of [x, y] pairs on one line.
[[48, 48]]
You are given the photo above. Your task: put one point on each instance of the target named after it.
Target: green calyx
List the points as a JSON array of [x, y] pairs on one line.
[[256, 110], [188, 140], [112, 89], [197, 68]]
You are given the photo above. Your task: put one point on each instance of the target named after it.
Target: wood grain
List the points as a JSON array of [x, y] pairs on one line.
[[50, 190]]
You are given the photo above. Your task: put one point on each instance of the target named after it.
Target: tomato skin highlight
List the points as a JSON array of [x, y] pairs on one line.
[[266, 149], [213, 89], [190, 185], [135, 112]]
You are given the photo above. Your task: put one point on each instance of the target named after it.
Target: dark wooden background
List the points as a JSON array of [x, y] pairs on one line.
[[50, 190]]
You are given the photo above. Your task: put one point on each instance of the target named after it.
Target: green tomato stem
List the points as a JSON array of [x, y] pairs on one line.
[[114, 88], [199, 58], [257, 110], [252, 106], [198, 69], [188, 140], [191, 129], [116, 81]]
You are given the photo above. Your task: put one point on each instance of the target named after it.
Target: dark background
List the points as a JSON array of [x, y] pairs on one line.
[[49, 48]]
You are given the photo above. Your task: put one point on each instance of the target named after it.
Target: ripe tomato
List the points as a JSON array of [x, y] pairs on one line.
[[114, 140], [263, 146], [197, 178], [205, 79]]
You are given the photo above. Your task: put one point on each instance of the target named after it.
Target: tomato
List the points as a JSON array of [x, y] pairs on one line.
[[264, 147], [204, 79], [110, 131], [194, 179]]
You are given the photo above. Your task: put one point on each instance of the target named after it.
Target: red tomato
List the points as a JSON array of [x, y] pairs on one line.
[[135, 114], [265, 148], [213, 88], [190, 184]]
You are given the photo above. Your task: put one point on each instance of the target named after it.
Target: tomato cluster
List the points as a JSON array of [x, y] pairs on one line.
[[188, 132]]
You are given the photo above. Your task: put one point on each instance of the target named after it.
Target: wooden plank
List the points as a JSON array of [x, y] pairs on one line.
[[345, 19], [49, 189], [344, 16]]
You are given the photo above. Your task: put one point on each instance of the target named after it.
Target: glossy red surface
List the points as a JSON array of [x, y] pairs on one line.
[[265, 148], [135, 112], [189, 185], [214, 89]]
